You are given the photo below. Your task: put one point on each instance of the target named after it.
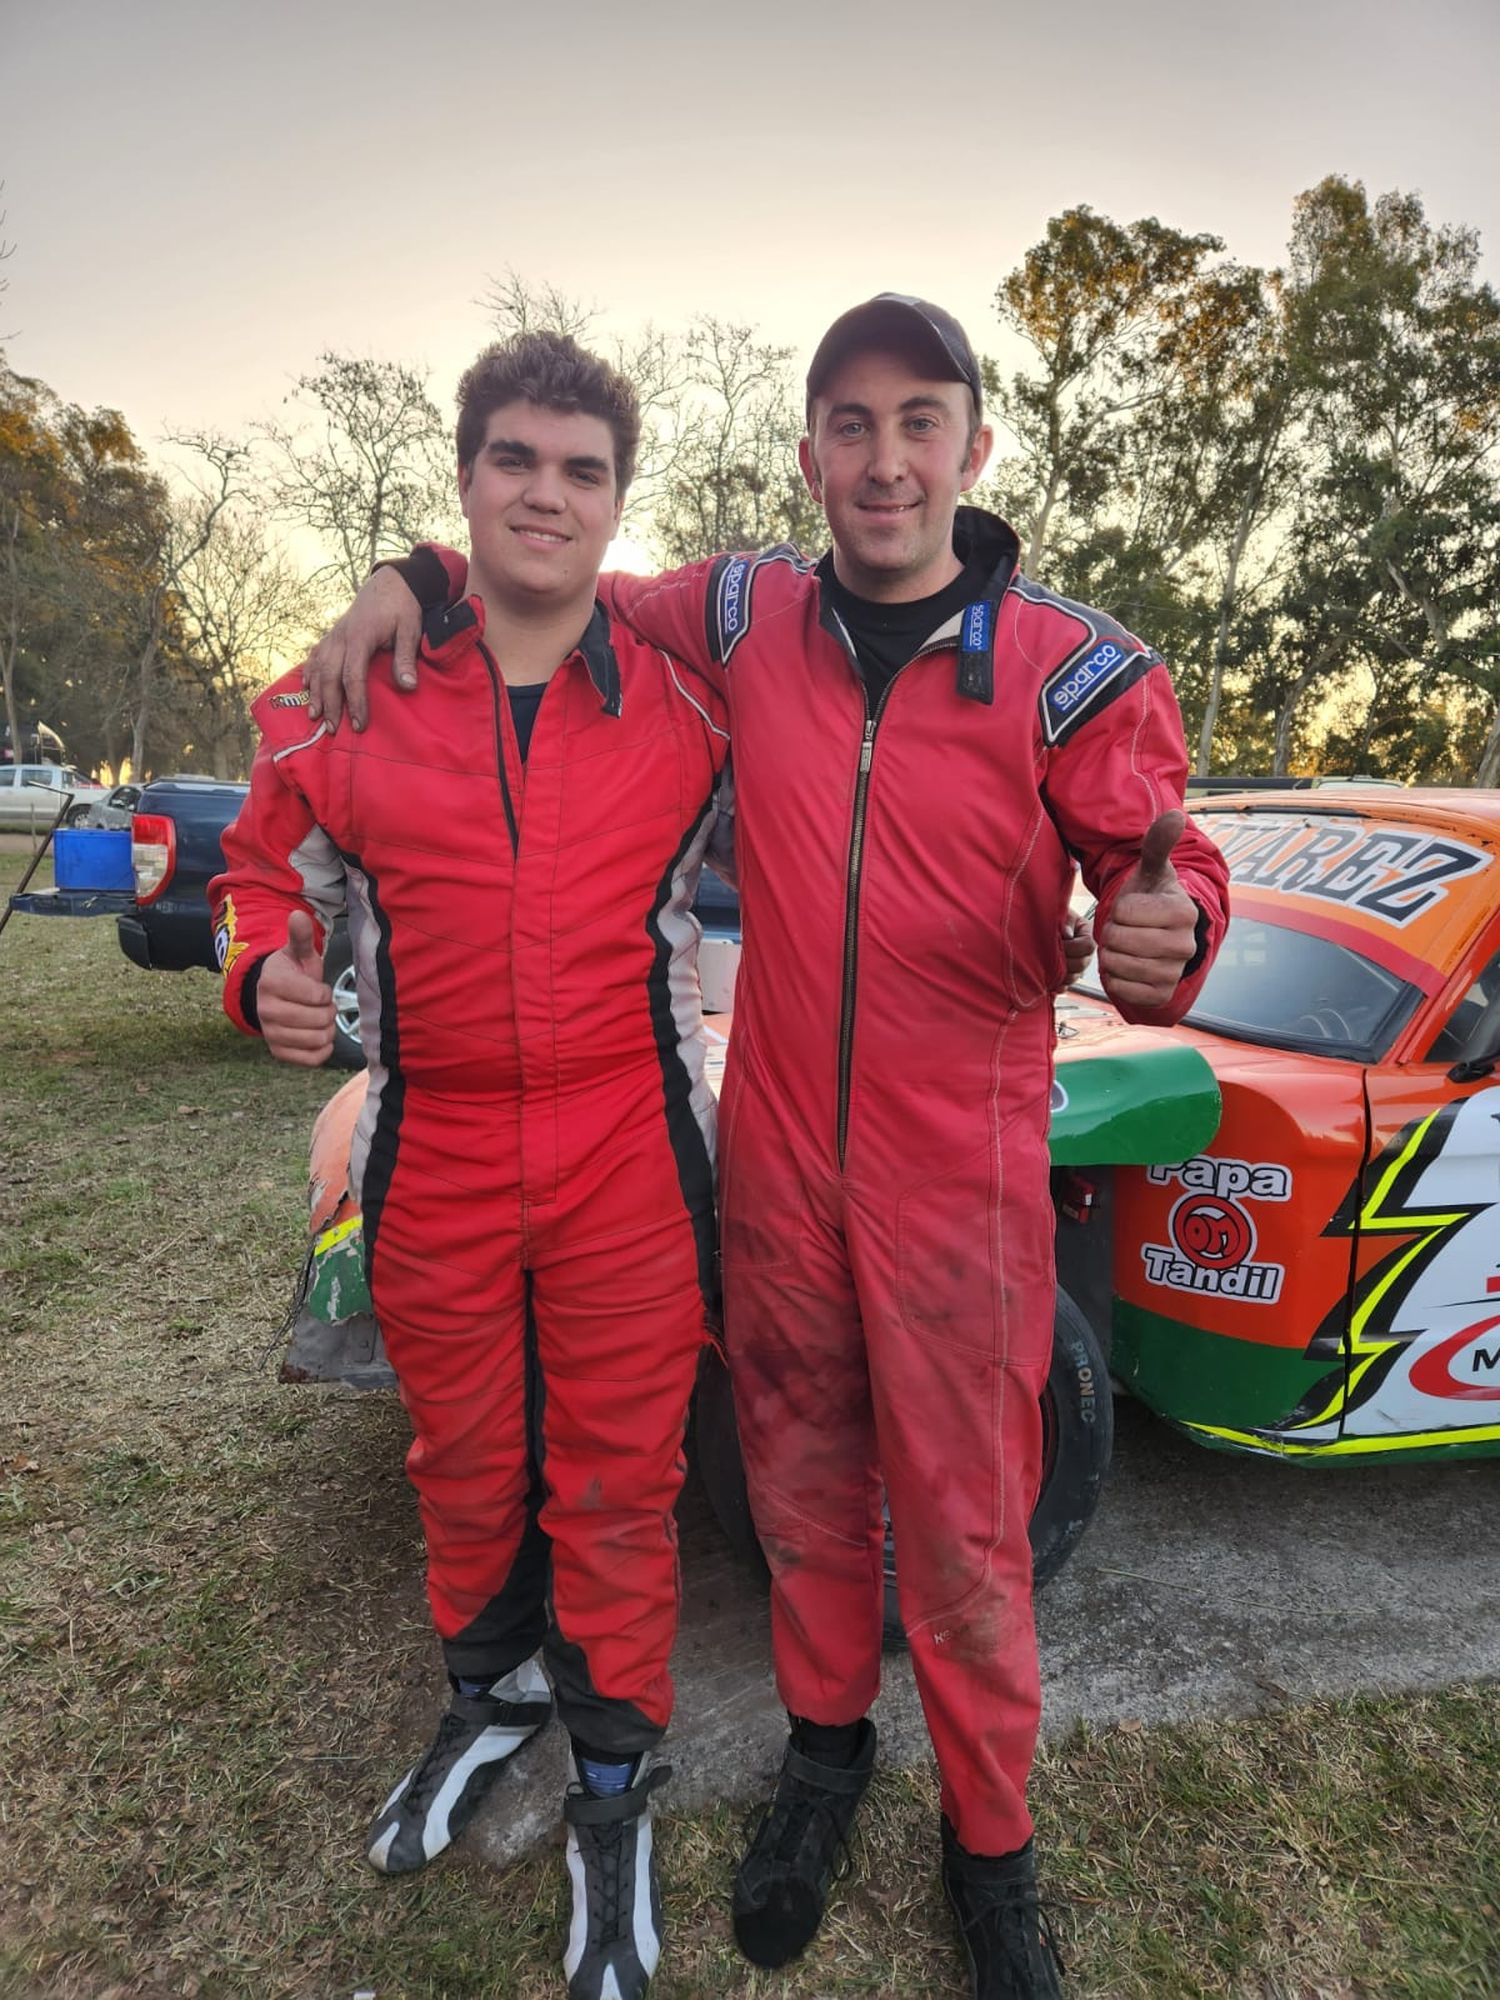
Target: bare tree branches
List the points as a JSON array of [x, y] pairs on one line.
[[733, 481], [7, 251], [366, 466]]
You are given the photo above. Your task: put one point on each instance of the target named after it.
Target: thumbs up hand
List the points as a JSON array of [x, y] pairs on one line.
[[294, 1004], [1152, 930]]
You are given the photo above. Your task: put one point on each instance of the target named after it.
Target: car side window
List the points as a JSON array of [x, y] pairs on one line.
[[1449, 1046], [7, 778]]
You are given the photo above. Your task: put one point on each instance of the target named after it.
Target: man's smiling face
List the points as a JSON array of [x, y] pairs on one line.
[[541, 501], [888, 453]]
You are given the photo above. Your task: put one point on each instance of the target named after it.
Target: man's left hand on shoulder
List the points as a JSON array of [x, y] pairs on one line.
[[1152, 931]]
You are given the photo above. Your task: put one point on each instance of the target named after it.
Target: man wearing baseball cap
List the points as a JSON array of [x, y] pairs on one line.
[[924, 741]]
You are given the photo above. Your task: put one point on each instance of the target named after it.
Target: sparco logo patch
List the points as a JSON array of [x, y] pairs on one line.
[[734, 601], [1085, 678], [975, 631], [298, 700]]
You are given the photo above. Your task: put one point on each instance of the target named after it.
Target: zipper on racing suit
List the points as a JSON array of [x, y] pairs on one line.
[[833, 624], [505, 798], [851, 891], [851, 921]]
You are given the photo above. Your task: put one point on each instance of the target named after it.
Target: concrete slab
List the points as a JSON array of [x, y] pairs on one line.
[[1207, 1585]]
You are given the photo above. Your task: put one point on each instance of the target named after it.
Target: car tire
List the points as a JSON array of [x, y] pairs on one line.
[[1077, 1440], [81, 813], [338, 970]]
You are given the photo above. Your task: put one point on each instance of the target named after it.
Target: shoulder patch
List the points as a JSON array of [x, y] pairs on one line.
[[730, 591], [298, 700], [734, 603], [1103, 661], [1078, 687]]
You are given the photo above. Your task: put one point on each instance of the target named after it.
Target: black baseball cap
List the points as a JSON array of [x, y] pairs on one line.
[[937, 333]]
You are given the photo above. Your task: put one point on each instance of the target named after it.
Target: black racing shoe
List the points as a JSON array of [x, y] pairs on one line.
[[614, 1940], [1006, 1933], [438, 1796], [798, 1850]]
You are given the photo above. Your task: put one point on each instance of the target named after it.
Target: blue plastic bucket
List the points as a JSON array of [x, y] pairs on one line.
[[92, 857]]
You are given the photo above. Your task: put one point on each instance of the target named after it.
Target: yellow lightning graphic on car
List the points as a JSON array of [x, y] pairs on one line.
[[1384, 1285], [1374, 1219]]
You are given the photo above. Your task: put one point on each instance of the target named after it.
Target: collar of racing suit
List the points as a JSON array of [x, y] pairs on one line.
[[448, 629], [981, 538]]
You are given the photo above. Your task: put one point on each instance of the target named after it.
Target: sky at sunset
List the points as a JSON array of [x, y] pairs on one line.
[[202, 197]]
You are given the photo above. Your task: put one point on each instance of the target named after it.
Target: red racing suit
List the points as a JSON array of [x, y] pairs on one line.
[[535, 1154], [886, 1221]]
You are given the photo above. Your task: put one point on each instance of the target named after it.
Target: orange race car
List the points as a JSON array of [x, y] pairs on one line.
[[1323, 1282], [1274, 1222]]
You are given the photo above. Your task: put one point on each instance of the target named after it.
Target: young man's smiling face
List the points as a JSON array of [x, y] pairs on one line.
[[542, 502], [889, 452]]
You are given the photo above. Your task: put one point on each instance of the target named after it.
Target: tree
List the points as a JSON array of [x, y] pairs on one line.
[[7, 251], [734, 481], [516, 305], [80, 517], [31, 486], [367, 467], [1287, 478], [163, 544], [1307, 634], [1107, 309], [244, 611], [1153, 431], [1404, 342], [1257, 457]]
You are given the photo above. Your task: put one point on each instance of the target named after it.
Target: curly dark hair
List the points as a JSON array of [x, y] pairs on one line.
[[554, 372]]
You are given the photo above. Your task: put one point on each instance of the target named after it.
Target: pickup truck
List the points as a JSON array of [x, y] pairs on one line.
[[164, 924]]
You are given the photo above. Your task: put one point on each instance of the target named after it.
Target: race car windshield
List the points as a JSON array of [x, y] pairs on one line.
[[1290, 990]]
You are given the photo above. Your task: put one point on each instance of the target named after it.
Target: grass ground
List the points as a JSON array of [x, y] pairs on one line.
[[214, 1657]]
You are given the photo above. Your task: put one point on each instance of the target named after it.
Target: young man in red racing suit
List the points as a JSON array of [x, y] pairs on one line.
[[924, 743], [517, 851]]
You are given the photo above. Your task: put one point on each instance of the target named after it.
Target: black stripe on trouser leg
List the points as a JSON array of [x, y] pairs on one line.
[[695, 1171], [513, 1624], [605, 1722]]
